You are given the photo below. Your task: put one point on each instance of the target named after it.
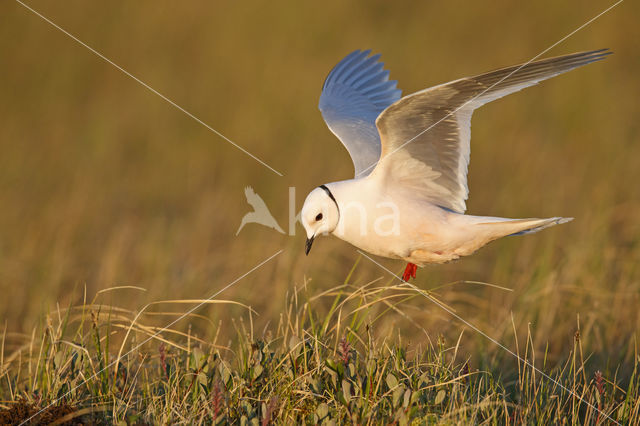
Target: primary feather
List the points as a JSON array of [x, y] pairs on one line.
[[426, 135], [354, 94]]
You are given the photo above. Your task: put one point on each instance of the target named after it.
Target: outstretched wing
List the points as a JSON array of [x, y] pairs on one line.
[[425, 136], [355, 92]]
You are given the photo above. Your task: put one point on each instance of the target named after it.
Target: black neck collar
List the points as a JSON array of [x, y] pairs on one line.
[[325, 189]]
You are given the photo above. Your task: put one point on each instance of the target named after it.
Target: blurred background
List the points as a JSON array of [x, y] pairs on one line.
[[103, 183]]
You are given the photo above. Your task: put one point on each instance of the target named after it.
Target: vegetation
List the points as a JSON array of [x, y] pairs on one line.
[[102, 364]]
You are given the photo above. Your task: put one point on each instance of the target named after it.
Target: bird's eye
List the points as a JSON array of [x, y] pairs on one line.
[[319, 217]]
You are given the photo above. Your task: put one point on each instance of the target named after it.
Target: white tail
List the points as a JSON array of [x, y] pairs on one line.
[[545, 223], [502, 227]]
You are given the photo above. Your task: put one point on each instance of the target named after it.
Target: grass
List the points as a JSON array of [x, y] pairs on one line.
[[102, 364]]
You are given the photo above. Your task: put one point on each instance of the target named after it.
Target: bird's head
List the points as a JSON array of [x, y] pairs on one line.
[[319, 214]]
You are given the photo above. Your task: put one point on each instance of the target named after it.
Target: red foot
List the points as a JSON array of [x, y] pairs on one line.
[[409, 271]]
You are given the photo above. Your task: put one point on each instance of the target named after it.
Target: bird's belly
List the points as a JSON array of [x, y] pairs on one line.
[[385, 246], [381, 235], [418, 234]]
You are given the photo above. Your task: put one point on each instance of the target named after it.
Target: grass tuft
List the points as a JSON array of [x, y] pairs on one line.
[[103, 364]]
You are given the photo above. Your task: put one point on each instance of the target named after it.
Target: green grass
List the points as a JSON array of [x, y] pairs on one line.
[[102, 364]]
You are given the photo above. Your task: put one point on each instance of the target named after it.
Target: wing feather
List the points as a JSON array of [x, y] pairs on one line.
[[426, 135], [354, 93]]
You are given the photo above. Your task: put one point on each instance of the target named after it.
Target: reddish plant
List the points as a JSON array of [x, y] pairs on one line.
[[271, 407], [345, 351], [599, 383], [216, 400], [600, 388], [163, 359]]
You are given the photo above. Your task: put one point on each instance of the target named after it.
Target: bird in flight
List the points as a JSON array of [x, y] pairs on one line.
[[410, 154]]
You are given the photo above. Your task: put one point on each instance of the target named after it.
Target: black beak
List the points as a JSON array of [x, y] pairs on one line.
[[307, 247]]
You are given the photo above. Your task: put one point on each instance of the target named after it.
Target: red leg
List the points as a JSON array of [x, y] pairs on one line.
[[409, 271]]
